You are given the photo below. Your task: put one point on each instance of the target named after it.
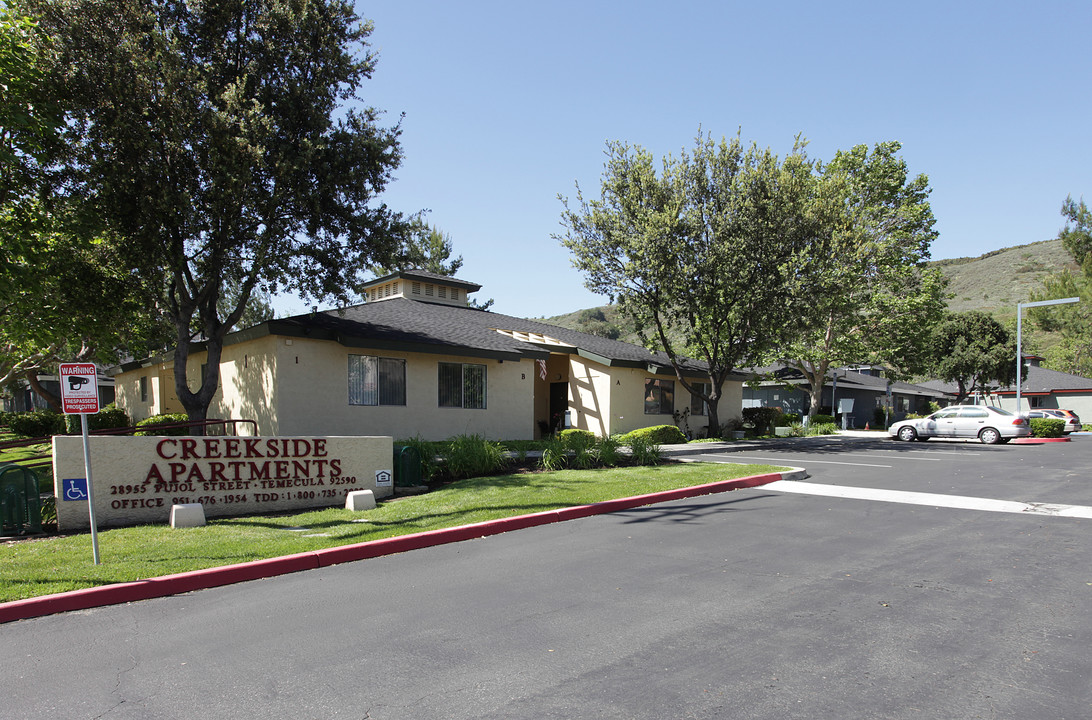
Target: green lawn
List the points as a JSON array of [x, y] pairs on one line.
[[42, 452], [58, 564]]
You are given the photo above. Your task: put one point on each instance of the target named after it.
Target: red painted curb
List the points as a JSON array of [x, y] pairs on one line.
[[119, 593], [1038, 441]]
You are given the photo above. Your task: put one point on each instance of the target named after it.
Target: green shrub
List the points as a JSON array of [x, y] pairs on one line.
[[37, 423], [584, 456], [730, 426], [555, 456], [148, 425], [818, 419], [49, 510], [824, 429], [797, 430], [608, 452], [1047, 428], [657, 435], [761, 419], [468, 456], [5, 419], [427, 451], [107, 418], [575, 438], [790, 419], [644, 451]]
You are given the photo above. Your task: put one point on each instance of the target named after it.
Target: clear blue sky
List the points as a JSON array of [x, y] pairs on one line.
[[508, 104]]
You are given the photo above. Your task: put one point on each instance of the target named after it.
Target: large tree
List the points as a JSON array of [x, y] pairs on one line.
[[1072, 322], [974, 351], [873, 299], [63, 296], [223, 143], [711, 245], [423, 247]]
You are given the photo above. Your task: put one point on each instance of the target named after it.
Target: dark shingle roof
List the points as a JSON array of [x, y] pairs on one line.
[[851, 378], [412, 325], [1041, 380], [1038, 380]]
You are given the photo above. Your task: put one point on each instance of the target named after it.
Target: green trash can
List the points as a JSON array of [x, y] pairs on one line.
[[20, 501], [407, 466]]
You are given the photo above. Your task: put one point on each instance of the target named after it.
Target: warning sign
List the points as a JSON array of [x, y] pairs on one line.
[[79, 389]]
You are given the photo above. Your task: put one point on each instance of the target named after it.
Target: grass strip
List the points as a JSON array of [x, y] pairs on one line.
[[38, 567]]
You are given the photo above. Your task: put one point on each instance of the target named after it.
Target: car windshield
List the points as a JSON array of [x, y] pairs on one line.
[[999, 411]]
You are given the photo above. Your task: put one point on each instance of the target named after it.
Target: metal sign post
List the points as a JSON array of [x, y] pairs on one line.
[[80, 396]]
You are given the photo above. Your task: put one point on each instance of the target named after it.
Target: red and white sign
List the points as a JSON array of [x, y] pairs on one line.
[[79, 389]]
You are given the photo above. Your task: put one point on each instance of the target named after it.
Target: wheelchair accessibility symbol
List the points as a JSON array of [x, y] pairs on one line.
[[74, 488]]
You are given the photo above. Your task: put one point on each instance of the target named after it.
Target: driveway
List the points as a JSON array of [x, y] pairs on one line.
[[756, 603]]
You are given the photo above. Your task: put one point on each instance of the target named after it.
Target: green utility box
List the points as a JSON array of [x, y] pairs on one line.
[[407, 466], [20, 501]]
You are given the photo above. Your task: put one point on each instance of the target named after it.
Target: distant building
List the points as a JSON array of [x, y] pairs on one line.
[[1039, 388], [855, 391]]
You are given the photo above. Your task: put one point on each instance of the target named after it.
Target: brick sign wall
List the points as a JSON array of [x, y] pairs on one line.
[[137, 479]]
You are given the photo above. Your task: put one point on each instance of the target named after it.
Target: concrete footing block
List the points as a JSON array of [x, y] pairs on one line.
[[188, 515], [360, 500]]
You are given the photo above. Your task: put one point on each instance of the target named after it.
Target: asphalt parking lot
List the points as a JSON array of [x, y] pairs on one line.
[[1055, 473], [758, 603]]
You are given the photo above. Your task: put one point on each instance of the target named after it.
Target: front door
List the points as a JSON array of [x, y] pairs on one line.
[[559, 403]]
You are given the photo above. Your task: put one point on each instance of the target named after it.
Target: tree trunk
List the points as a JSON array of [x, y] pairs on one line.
[[714, 416], [197, 403], [53, 401]]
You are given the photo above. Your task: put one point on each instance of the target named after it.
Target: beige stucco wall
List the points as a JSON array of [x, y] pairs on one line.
[[590, 392], [292, 386], [161, 397], [247, 387], [610, 400]]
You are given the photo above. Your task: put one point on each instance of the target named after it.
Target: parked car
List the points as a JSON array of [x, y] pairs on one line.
[[1071, 425], [1071, 414], [987, 423]]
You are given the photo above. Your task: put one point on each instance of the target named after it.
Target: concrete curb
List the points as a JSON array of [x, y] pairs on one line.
[[118, 593]]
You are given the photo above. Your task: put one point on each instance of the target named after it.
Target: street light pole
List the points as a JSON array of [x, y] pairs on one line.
[[1019, 355]]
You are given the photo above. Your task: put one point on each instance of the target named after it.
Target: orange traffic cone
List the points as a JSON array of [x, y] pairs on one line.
[[866, 427]]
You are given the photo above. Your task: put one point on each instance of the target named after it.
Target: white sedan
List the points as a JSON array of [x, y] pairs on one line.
[[987, 423]]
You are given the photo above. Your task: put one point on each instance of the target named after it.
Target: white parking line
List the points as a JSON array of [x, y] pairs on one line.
[[781, 460], [892, 457], [959, 502]]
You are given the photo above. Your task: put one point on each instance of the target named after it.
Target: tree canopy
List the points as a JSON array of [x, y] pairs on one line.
[[423, 247], [223, 146], [1072, 322], [63, 296], [714, 244], [872, 298], [974, 351]]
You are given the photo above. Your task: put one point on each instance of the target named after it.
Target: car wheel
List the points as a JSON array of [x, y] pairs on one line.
[[906, 434], [989, 436]]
